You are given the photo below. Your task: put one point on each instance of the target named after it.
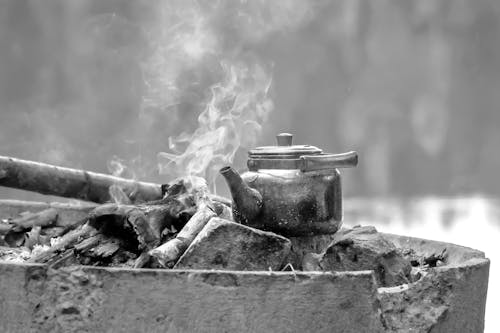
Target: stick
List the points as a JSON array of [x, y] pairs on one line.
[[78, 184], [45, 218], [66, 241], [142, 260], [168, 253], [70, 183]]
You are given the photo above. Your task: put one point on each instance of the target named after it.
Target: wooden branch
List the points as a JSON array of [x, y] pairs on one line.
[[168, 253], [78, 184], [142, 260], [70, 183]]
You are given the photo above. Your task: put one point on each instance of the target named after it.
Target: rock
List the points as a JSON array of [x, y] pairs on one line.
[[363, 248], [417, 307], [227, 245], [304, 246], [311, 262]]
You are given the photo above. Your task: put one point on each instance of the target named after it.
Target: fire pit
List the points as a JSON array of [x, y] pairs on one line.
[[450, 298], [171, 258]]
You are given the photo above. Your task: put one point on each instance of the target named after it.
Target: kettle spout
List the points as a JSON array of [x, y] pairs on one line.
[[247, 202]]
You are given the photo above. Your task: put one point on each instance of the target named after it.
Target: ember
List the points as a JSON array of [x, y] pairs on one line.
[[111, 234]]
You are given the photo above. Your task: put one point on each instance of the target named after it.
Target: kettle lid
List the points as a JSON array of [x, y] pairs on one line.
[[302, 157], [284, 149]]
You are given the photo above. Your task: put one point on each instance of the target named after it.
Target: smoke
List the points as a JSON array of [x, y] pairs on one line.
[[204, 68], [231, 119], [93, 85]]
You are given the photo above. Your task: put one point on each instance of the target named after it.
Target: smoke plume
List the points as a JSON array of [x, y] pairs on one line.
[[208, 44]]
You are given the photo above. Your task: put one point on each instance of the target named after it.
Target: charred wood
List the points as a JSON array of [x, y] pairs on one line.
[[67, 241]]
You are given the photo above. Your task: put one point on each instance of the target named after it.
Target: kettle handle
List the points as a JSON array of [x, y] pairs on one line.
[[329, 161]]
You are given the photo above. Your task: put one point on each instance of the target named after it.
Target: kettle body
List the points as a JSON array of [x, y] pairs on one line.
[[293, 190], [296, 203]]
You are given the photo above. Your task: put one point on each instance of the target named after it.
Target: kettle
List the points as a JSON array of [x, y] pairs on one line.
[[293, 190]]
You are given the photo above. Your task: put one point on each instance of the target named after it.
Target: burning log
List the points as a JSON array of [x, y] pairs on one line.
[[171, 251], [71, 183]]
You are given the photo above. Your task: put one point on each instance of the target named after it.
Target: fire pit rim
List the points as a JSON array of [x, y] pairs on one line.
[[466, 256]]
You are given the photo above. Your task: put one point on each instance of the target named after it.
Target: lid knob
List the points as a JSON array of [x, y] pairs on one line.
[[284, 139]]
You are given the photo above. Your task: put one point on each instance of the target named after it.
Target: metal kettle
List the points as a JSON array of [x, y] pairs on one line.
[[293, 190]]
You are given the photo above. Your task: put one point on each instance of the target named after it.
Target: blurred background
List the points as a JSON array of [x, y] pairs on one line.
[[154, 90]]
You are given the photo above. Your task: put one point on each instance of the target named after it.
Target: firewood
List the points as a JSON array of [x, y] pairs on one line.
[[88, 243], [125, 221], [67, 213], [26, 221], [171, 251], [172, 212], [119, 233], [196, 223], [106, 248], [17, 231], [66, 241], [80, 184], [45, 218], [64, 258], [142, 260], [122, 233], [71, 183], [97, 246]]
